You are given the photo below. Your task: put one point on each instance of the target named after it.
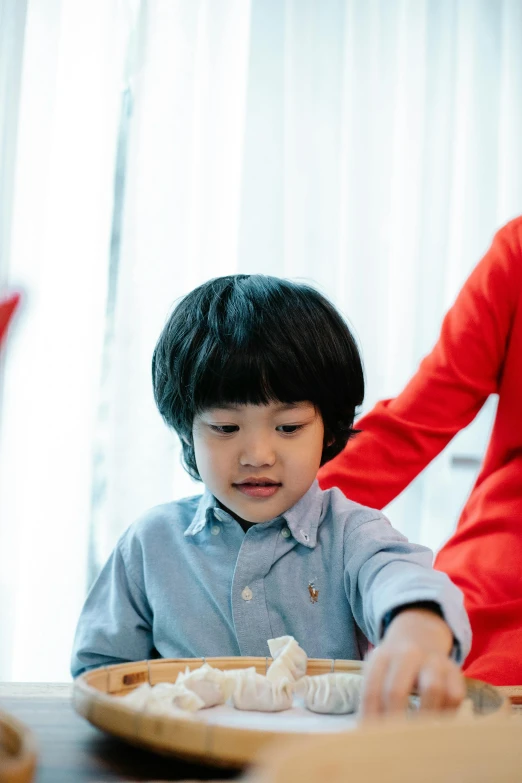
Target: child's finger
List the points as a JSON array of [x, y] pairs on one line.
[[432, 684], [373, 684], [455, 687], [401, 677]]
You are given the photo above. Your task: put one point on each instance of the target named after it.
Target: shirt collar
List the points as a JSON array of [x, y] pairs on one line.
[[302, 519], [204, 513]]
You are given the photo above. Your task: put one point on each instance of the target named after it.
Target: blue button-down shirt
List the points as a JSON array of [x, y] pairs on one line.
[[185, 580]]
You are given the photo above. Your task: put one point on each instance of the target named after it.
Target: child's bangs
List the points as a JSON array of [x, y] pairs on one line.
[[251, 378]]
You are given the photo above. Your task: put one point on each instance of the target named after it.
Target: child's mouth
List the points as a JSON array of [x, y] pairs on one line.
[[257, 488]]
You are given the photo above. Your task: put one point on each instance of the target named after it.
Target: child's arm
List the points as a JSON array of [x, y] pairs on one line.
[[383, 572], [116, 621], [414, 653]]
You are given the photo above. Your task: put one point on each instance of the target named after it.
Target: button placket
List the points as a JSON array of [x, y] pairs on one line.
[[250, 612]]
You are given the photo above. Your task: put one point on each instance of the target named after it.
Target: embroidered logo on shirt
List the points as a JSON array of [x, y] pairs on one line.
[[314, 593]]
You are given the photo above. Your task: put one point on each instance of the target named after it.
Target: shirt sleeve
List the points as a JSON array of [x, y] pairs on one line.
[[116, 621], [401, 436], [383, 571]]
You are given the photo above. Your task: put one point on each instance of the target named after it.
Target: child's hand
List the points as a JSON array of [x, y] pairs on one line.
[[413, 654]]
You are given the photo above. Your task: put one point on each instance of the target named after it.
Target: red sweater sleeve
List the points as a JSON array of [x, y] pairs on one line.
[[7, 308], [401, 436]]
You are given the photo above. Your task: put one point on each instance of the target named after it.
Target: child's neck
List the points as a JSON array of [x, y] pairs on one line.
[[243, 522]]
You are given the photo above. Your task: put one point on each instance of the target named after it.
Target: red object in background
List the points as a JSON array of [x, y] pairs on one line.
[[7, 308], [479, 353]]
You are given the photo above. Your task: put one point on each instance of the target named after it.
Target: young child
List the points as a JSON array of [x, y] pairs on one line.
[[261, 378]]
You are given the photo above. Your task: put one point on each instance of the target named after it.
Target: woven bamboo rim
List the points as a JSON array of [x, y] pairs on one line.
[[93, 694], [17, 751], [513, 693]]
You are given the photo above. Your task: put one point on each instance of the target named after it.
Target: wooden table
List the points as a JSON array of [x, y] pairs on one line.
[[70, 750]]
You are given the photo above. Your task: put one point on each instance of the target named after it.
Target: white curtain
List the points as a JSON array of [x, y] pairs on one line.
[[72, 69], [368, 146]]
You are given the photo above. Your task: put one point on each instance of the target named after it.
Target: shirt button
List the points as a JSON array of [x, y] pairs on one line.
[[246, 595], [285, 532], [215, 530]]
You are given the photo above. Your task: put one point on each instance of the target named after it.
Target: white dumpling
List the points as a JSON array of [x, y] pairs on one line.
[[137, 698], [253, 691], [163, 698], [211, 685], [335, 693], [177, 695], [289, 659]]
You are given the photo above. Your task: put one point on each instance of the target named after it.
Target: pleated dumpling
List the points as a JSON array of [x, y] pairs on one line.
[[163, 698], [253, 691], [335, 693], [211, 685], [289, 660]]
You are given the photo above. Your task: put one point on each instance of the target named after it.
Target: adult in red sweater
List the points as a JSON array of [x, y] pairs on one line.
[[479, 352]]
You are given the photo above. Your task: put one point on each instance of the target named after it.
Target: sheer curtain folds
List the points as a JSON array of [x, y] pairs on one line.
[[368, 146], [70, 87]]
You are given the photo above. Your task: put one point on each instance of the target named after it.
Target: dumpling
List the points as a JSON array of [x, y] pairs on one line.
[[289, 660], [335, 693], [176, 695], [138, 697], [253, 691], [163, 698], [211, 685]]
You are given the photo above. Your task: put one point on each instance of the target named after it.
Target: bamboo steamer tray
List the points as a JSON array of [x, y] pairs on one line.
[[17, 751], [514, 694], [197, 738]]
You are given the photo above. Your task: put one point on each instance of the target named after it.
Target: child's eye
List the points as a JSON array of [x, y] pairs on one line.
[[224, 429], [288, 429]]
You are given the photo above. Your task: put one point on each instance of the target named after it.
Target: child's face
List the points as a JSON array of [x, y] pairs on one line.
[[259, 460]]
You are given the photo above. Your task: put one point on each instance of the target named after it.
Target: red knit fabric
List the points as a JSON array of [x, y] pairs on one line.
[[7, 308], [479, 352]]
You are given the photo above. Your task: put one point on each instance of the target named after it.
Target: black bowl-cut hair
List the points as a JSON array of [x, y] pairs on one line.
[[254, 339]]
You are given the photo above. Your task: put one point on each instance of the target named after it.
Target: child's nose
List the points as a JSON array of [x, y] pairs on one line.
[[257, 454]]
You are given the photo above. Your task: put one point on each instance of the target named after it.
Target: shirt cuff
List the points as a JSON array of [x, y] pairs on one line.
[[430, 606]]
